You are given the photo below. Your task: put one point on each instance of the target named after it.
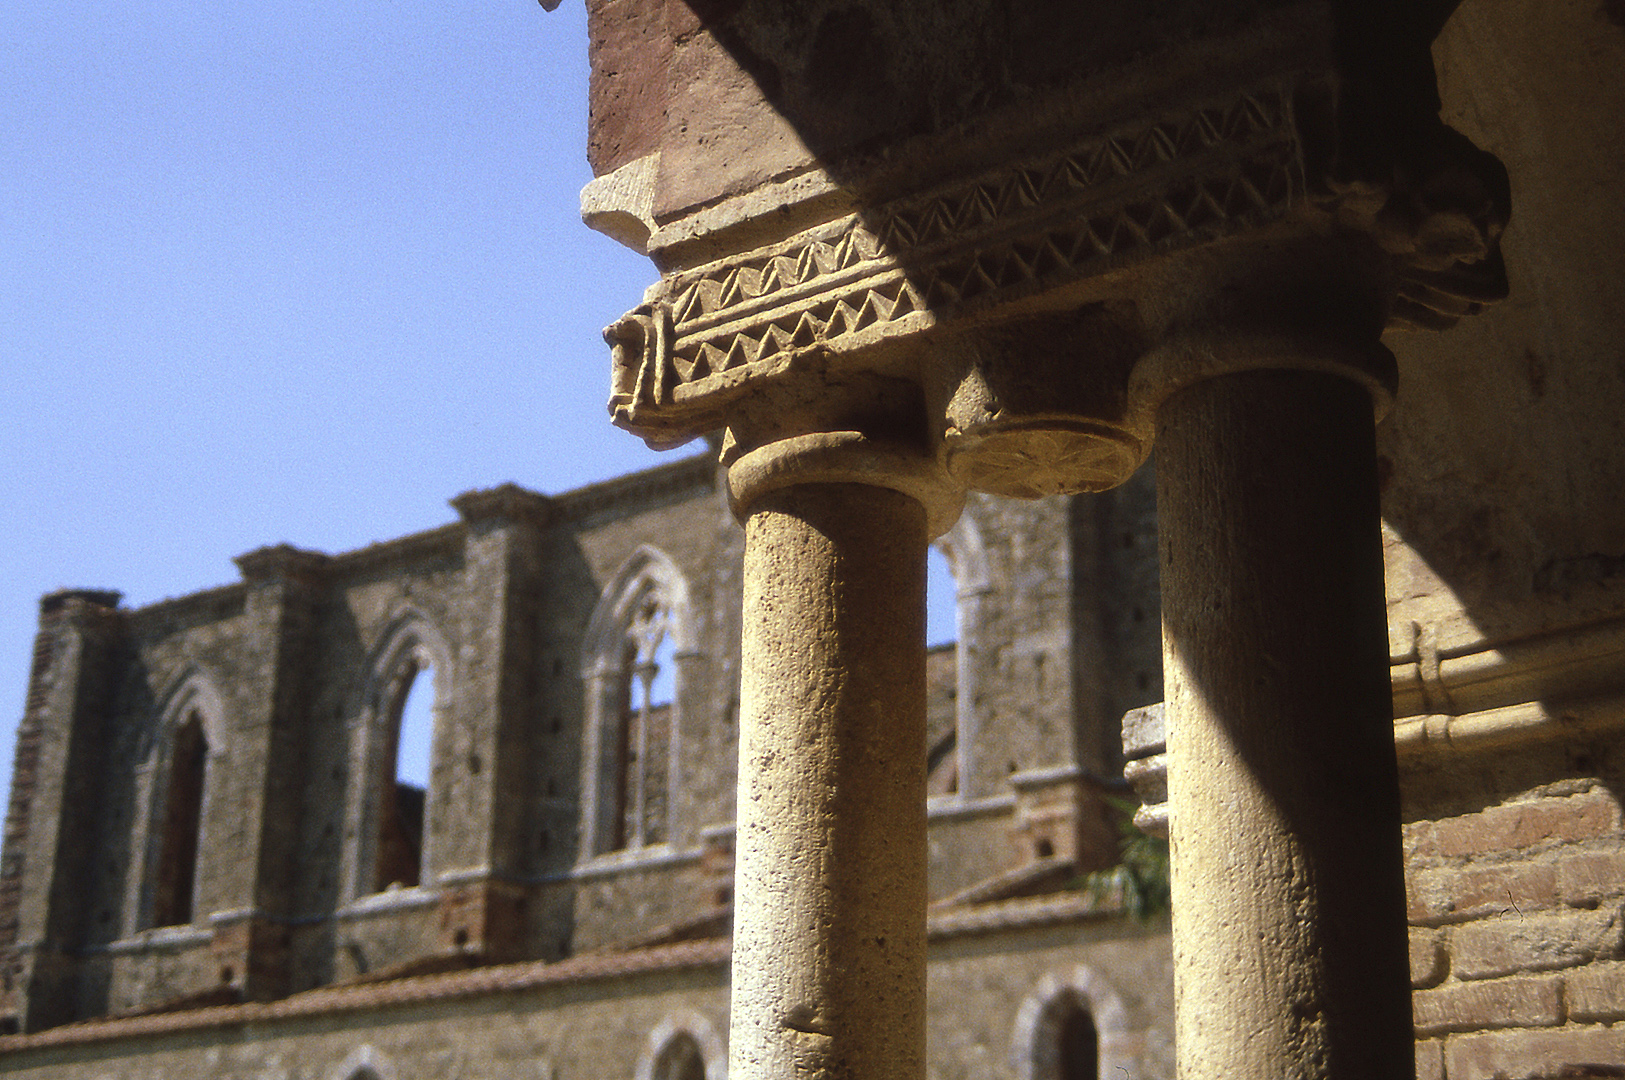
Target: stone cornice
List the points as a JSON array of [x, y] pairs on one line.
[[677, 476], [509, 501]]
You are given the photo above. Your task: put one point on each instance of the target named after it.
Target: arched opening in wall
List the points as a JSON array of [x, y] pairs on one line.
[[680, 1059], [405, 782], [1069, 1044], [636, 662], [942, 674], [183, 820], [647, 687]]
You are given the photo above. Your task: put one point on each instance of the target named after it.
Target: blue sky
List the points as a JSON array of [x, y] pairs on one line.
[[289, 272], [286, 272]]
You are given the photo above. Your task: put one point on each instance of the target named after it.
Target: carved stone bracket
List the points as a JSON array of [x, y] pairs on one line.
[[957, 254]]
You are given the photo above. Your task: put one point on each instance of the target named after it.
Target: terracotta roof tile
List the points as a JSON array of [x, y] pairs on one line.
[[1022, 913]]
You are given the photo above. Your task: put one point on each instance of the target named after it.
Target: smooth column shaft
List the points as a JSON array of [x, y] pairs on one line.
[[829, 922], [1288, 883]]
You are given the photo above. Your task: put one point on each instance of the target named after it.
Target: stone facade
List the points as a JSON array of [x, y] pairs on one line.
[[530, 618]]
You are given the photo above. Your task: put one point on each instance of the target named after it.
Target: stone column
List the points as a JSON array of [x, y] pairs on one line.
[[829, 923], [1288, 887]]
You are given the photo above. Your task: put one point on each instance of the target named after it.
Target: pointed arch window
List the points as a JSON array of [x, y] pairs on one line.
[[958, 575], [941, 672], [403, 784], [178, 766], [1077, 1044], [636, 642], [684, 1046], [389, 840], [176, 878], [1074, 1026]]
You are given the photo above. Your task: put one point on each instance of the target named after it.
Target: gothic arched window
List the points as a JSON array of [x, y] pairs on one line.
[[954, 762], [182, 821], [684, 1046], [403, 783], [174, 780], [1077, 1044], [387, 838], [636, 641]]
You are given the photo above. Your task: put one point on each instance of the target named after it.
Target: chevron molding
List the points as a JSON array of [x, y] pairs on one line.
[[1013, 233]]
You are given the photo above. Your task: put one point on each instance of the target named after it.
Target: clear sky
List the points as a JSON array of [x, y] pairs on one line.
[[295, 271]]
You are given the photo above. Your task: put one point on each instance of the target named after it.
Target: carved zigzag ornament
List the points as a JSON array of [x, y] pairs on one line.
[[924, 260]]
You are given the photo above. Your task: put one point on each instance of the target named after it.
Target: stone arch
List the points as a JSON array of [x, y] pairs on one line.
[[178, 776], [966, 553], [683, 1046], [648, 569], [365, 1062], [410, 643], [631, 751], [1041, 1023]]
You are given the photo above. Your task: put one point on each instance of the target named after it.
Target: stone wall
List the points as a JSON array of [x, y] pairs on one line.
[[610, 1016], [293, 674]]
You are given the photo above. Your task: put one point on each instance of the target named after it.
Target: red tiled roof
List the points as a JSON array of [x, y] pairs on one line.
[[506, 978], [944, 922]]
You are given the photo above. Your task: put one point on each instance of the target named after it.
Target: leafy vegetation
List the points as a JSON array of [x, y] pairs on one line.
[[1140, 880]]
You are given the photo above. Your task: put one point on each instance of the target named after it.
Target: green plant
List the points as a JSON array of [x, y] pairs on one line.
[[1140, 880]]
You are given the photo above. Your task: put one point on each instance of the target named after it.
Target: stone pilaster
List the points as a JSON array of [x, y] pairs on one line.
[[254, 898], [50, 824], [483, 774]]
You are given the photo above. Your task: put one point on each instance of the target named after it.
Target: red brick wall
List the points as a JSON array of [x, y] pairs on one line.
[[1518, 935]]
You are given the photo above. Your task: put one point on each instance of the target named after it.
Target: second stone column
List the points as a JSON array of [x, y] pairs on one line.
[[829, 960]]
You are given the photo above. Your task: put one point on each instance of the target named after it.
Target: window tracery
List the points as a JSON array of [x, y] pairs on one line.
[[637, 638]]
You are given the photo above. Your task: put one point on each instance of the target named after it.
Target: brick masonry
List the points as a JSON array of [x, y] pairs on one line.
[[1518, 920]]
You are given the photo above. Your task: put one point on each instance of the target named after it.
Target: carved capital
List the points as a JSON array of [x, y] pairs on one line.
[[1043, 233], [847, 457], [1296, 199]]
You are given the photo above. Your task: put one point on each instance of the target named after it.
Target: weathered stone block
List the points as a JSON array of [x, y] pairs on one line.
[[1532, 1054], [1511, 944], [1591, 877], [1430, 1060], [1474, 891], [1429, 962], [1596, 992], [1519, 1002], [1523, 824]]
